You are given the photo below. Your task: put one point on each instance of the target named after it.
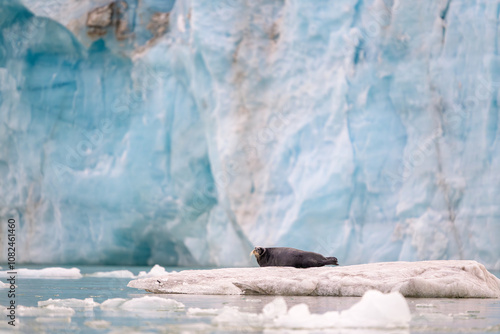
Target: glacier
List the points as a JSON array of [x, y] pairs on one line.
[[185, 132]]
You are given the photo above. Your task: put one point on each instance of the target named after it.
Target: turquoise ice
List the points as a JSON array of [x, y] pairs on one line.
[[365, 130]]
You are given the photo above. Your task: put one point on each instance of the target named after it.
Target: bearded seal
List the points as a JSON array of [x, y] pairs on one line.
[[290, 257]]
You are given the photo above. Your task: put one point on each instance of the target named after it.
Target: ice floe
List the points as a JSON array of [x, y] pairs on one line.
[[113, 274], [51, 272], [142, 303], [44, 320], [157, 270], [70, 302], [431, 279], [4, 285], [50, 310], [97, 324], [374, 310]]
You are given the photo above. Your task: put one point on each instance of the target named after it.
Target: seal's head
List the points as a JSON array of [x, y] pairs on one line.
[[258, 252]]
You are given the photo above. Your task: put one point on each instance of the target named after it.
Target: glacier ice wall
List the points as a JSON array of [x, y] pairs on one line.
[[363, 129]]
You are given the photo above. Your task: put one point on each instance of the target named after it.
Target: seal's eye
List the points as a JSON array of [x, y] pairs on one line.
[[260, 250]]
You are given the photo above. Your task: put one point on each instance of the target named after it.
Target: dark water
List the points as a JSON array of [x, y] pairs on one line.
[[428, 315]]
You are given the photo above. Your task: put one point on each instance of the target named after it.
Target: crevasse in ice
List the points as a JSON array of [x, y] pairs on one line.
[[366, 130]]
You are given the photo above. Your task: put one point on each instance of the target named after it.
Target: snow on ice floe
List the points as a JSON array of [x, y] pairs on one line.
[[374, 310], [425, 279], [70, 302], [152, 303], [4, 285], [51, 272]]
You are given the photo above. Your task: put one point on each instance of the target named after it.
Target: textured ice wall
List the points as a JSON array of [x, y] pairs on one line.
[[366, 130]]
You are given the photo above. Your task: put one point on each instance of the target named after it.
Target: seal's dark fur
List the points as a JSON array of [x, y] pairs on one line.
[[290, 257]]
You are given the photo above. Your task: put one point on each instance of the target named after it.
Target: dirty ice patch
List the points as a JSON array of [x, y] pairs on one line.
[[374, 310], [51, 272]]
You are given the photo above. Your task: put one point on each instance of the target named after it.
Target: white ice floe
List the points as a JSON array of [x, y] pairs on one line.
[[113, 274], [426, 279], [51, 272], [203, 311], [4, 285], [157, 270], [70, 302], [50, 310], [153, 303], [374, 310]]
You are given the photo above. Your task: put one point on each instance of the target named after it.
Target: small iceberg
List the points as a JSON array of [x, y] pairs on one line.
[[70, 302], [424, 279], [113, 274], [157, 270], [374, 310], [49, 310]]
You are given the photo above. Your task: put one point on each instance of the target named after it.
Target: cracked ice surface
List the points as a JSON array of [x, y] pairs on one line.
[[431, 279]]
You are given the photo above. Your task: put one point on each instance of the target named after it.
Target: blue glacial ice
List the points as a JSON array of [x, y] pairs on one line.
[[365, 130]]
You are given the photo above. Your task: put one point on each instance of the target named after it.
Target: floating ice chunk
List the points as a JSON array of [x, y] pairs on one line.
[[275, 308], [66, 320], [232, 317], [113, 274], [202, 311], [70, 302], [153, 303], [52, 272], [50, 310], [425, 306], [4, 285], [97, 324], [374, 310], [299, 317], [157, 270], [426, 279], [378, 310], [112, 303]]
